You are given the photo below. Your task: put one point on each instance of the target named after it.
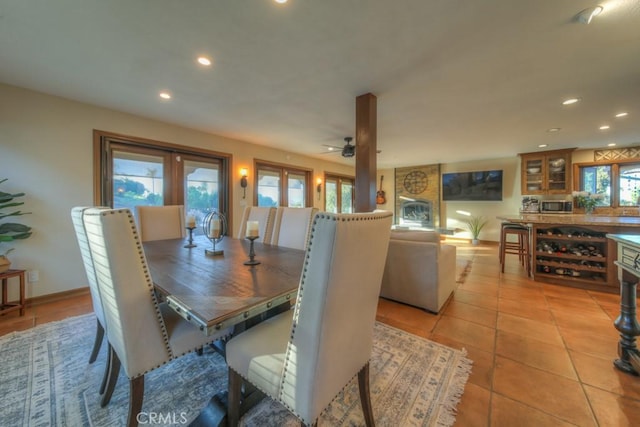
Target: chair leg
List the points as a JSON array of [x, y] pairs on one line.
[[365, 398], [136, 395], [107, 368], [97, 343], [233, 405], [114, 370]]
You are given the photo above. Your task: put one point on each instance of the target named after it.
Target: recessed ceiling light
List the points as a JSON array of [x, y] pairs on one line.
[[623, 114], [543, 145], [281, 1], [588, 14], [330, 148], [203, 60], [611, 144], [570, 101], [604, 127], [165, 95], [553, 130]]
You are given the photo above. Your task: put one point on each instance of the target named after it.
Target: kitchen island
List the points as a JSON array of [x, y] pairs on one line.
[[573, 250]]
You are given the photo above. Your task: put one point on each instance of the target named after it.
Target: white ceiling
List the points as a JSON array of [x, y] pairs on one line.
[[456, 80]]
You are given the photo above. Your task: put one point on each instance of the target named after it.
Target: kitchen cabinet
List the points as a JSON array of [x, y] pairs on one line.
[[546, 172]]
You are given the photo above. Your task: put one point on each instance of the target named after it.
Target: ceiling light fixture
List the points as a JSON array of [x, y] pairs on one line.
[[203, 60], [588, 14], [553, 130], [543, 145], [623, 114], [611, 144], [281, 1], [604, 127], [571, 101], [165, 95]]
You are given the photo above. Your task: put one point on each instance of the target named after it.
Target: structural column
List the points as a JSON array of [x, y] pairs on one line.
[[366, 149]]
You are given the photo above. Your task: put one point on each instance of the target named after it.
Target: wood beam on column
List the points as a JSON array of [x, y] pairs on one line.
[[366, 149]]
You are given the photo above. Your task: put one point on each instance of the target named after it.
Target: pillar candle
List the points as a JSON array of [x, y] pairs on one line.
[[214, 228], [252, 229], [191, 221]]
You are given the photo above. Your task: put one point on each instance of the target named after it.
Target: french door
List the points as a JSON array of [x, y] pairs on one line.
[[339, 193], [134, 173]]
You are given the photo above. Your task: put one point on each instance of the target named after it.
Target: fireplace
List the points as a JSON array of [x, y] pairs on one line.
[[417, 213]]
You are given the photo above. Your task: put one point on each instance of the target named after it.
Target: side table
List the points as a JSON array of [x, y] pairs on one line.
[[7, 306]]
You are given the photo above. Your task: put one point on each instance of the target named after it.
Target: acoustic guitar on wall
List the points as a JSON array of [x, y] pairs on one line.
[[380, 196]]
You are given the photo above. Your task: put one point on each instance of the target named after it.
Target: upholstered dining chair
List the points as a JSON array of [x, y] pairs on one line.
[[161, 222], [83, 243], [292, 227], [142, 333], [304, 357], [265, 217]]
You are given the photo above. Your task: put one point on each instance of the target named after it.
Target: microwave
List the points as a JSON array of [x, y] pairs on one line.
[[556, 206]]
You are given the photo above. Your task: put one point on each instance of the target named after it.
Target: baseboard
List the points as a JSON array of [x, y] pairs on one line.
[[43, 299]]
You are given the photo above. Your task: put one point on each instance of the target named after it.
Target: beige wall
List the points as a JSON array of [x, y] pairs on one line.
[[46, 152], [511, 195]]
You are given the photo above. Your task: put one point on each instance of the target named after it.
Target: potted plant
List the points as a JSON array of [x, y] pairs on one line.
[[587, 200], [475, 224], [10, 231]]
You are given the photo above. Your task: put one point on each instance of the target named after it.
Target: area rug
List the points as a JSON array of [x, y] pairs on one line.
[[46, 381]]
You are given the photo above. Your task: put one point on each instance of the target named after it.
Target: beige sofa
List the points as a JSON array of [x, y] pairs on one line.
[[420, 270]]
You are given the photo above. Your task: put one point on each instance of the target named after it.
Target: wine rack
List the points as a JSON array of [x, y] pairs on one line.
[[571, 254]]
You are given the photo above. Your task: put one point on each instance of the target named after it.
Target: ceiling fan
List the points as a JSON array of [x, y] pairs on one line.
[[348, 150]]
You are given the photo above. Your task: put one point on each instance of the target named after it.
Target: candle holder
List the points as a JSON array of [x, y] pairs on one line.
[[252, 253], [190, 244], [206, 228]]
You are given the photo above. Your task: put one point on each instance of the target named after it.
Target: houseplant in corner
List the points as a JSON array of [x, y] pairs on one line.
[[10, 231], [475, 224]]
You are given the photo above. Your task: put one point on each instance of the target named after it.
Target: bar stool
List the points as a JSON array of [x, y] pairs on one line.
[[520, 246]]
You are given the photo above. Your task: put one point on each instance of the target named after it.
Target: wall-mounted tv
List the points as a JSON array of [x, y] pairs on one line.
[[480, 185]]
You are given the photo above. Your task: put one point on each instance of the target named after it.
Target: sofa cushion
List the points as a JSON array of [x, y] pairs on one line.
[[416, 235]]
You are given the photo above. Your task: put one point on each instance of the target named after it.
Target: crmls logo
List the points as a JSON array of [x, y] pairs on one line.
[[160, 418]]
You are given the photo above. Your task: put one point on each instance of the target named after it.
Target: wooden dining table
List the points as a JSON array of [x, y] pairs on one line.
[[215, 292]]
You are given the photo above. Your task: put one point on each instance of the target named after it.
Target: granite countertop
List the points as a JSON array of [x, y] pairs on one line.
[[573, 219]]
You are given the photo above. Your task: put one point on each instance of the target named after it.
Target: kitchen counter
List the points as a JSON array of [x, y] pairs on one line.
[[573, 219], [572, 249]]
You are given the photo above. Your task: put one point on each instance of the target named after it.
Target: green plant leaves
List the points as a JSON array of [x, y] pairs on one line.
[[10, 231]]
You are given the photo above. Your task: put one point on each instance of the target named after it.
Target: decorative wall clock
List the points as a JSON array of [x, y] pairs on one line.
[[415, 182]]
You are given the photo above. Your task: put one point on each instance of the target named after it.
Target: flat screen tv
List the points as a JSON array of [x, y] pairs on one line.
[[480, 185]]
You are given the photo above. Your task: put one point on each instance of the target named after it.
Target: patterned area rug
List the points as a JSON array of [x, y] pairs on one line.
[[46, 381]]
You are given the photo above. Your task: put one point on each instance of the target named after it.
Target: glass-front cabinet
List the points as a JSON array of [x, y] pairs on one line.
[[547, 172]]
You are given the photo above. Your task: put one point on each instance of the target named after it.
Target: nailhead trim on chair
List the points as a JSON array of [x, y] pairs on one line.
[[318, 216], [150, 287]]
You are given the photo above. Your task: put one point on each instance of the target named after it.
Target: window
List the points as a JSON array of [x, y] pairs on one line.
[[280, 185], [133, 172], [619, 182], [597, 180], [629, 184], [339, 194]]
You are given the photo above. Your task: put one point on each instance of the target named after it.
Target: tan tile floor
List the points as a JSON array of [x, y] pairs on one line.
[[542, 353]]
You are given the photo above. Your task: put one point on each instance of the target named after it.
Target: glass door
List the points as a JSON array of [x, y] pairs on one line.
[[139, 177], [201, 189]]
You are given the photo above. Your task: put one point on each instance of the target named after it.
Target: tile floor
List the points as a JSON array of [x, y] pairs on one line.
[[542, 353]]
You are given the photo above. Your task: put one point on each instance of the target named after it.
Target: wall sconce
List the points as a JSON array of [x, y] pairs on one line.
[[243, 182], [319, 187]]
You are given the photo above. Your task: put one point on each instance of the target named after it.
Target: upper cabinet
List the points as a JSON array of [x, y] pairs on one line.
[[546, 172]]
